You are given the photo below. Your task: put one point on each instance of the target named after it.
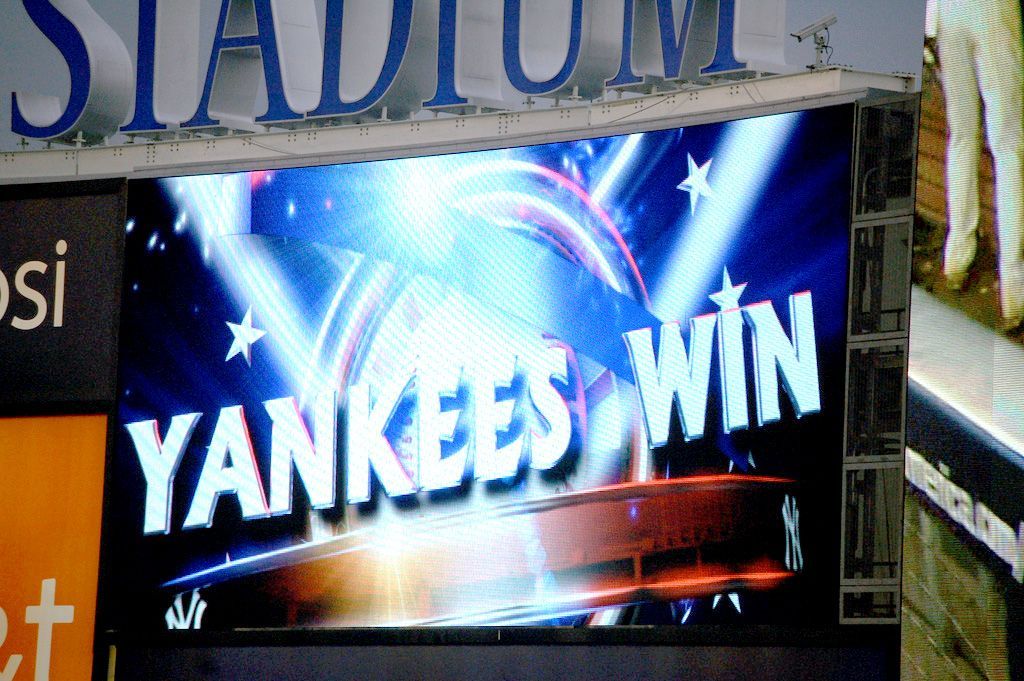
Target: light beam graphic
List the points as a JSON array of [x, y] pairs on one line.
[[744, 161]]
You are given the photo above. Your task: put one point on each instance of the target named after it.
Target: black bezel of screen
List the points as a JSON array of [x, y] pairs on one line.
[[752, 635]]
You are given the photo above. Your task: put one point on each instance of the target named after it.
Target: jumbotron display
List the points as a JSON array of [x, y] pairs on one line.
[[588, 382]]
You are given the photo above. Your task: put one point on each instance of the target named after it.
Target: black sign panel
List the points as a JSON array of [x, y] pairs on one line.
[[60, 276]]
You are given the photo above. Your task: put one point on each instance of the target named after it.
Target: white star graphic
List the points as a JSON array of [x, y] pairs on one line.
[[729, 297], [696, 181], [245, 336]]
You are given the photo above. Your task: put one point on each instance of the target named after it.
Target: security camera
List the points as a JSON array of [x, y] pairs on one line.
[[816, 27]]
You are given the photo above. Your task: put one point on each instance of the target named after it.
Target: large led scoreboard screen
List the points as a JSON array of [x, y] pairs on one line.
[[588, 382]]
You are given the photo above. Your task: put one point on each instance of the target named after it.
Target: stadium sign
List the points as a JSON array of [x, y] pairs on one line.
[[275, 63]]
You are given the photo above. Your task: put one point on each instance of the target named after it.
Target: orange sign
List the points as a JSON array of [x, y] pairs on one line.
[[51, 494]]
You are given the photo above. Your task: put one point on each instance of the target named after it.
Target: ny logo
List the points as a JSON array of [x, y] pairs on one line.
[[791, 521], [177, 618]]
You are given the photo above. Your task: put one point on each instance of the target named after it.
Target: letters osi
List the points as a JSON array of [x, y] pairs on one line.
[[27, 275]]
